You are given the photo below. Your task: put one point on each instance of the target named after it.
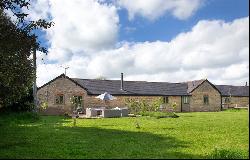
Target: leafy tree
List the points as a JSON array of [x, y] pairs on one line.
[[17, 41]]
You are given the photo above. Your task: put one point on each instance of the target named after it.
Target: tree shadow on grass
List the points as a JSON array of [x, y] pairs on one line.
[[58, 141]]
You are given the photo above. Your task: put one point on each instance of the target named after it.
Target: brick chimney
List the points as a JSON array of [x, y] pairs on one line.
[[122, 81]]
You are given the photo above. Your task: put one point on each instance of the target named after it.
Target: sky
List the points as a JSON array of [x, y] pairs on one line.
[[147, 40]]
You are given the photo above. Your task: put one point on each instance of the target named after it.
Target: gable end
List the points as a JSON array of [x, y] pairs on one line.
[[63, 76], [209, 83]]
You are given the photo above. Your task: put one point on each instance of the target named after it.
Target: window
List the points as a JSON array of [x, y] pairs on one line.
[[47, 95], [206, 99], [165, 99], [99, 112], [227, 100], [77, 100], [185, 99], [59, 99]]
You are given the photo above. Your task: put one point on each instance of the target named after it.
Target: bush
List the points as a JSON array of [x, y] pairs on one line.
[[29, 116], [20, 117], [24, 104], [20, 107], [44, 105], [135, 106]]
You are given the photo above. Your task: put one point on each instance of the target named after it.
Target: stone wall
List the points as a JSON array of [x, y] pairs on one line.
[[235, 102], [172, 100], [67, 88], [197, 102], [59, 86], [120, 101]]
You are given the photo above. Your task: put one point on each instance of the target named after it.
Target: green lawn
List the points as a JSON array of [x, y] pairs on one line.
[[192, 135]]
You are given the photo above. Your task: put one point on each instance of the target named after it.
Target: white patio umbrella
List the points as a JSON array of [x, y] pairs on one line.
[[106, 96]]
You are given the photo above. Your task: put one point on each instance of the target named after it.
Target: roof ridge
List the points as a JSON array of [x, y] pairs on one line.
[[126, 80], [230, 85]]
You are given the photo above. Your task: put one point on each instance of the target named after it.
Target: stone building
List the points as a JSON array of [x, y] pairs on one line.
[[234, 96], [192, 96]]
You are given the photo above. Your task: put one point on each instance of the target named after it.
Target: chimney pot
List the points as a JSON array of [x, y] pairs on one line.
[[122, 81]]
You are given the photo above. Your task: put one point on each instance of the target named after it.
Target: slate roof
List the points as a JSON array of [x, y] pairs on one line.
[[113, 87], [226, 90], [194, 84], [143, 88]]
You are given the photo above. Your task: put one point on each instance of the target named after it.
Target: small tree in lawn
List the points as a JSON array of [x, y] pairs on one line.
[[76, 102], [174, 105]]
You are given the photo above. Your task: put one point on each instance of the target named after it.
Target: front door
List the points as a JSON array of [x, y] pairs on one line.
[[185, 104]]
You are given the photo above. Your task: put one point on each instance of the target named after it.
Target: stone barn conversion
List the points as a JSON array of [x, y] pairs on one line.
[[192, 96]]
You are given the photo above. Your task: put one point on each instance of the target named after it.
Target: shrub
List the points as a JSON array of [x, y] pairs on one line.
[[20, 117], [29, 116], [20, 107], [174, 105], [143, 106], [44, 105], [24, 104], [156, 104], [135, 106]]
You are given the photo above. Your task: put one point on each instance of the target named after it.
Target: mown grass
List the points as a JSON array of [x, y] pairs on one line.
[[192, 135], [160, 114]]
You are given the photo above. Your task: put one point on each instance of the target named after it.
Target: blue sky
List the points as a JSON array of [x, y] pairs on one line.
[[152, 40], [167, 27]]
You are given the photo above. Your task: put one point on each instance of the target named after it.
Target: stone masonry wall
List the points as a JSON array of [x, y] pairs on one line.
[[91, 101], [235, 102], [68, 89], [59, 86], [196, 100]]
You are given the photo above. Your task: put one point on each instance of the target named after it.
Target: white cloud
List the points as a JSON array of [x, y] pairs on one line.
[[84, 39], [153, 9], [215, 50], [40, 9], [80, 26]]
